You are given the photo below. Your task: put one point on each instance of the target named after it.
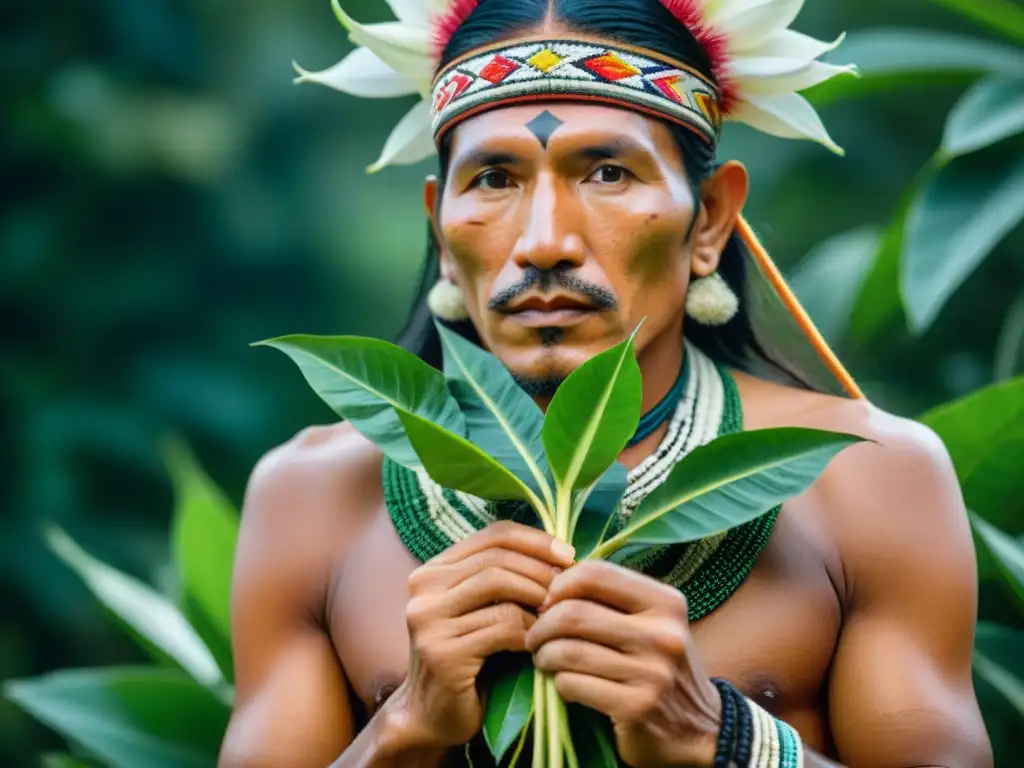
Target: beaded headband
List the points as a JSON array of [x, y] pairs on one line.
[[575, 69]]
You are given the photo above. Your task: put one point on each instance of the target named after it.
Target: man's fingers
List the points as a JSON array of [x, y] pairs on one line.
[[507, 535], [583, 620], [571, 655], [605, 696], [616, 587], [489, 640], [491, 585], [540, 571], [503, 613]]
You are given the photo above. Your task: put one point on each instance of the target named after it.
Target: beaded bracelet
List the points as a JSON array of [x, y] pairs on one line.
[[751, 738]]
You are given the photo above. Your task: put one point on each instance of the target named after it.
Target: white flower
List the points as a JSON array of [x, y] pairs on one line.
[[395, 58], [769, 63]]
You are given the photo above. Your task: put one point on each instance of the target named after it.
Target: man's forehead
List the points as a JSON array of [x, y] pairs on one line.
[[567, 119]]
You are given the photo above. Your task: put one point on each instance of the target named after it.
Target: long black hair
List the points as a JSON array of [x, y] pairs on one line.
[[644, 23]]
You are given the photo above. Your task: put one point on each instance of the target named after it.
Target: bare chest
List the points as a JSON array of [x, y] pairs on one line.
[[774, 638]]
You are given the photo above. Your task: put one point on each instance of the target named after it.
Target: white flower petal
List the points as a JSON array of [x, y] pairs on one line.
[[406, 49], [361, 73], [788, 43], [749, 22], [769, 76], [412, 139], [788, 116], [412, 12]]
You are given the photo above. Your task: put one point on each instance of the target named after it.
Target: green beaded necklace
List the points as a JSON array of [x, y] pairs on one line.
[[429, 518]]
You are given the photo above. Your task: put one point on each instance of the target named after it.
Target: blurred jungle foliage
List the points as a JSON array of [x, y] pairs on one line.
[[169, 197]]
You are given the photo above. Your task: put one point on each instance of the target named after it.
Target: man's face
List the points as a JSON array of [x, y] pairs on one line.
[[565, 225]]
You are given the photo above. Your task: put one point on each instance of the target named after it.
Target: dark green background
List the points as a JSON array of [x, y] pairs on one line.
[[169, 196]]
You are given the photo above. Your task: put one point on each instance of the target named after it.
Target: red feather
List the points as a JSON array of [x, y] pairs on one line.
[[448, 23], [714, 44]]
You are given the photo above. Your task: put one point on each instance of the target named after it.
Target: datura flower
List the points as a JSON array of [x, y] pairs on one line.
[[761, 64]]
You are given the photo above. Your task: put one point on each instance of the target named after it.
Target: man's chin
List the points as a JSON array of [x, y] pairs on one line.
[[541, 370]]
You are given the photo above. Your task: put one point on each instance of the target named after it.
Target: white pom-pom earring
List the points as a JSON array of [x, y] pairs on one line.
[[710, 301], [446, 302]]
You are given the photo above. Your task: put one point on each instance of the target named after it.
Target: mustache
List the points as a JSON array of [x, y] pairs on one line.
[[545, 279]]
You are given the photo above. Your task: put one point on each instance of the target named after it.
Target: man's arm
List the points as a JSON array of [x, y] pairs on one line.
[[303, 503], [901, 693]]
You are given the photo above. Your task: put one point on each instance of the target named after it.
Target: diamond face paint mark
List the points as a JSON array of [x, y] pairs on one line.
[[544, 60], [542, 126]]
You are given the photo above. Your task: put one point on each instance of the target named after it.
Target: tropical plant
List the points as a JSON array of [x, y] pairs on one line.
[[172, 714], [962, 203], [473, 429]]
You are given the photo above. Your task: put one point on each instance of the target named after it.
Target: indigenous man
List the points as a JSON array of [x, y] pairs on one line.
[[579, 193]]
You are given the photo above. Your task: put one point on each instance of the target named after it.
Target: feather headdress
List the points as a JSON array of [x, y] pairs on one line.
[[759, 65]]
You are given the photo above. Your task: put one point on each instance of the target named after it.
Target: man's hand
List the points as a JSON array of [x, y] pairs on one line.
[[476, 599], [619, 643]]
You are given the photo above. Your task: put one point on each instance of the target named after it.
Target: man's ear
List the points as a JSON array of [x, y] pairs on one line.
[[723, 195], [430, 193], [431, 189]]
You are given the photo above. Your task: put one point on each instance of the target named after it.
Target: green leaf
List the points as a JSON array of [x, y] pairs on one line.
[[459, 465], [500, 416], [596, 514], [127, 717], [1003, 16], [592, 416], [984, 434], [961, 216], [1009, 354], [510, 704], [991, 111], [367, 381], [728, 482], [58, 760], [594, 739], [1011, 686], [829, 278], [150, 616], [1007, 553], [1003, 645], [878, 305], [204, 533], [891, 59]]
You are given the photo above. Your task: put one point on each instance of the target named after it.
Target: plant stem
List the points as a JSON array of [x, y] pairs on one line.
[[539, 718], [522, 742], [570, 748], [603, 551], [554, 725], [543, 511]]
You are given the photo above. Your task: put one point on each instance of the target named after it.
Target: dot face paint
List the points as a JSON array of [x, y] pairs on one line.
[[565, 227], [543, 125]]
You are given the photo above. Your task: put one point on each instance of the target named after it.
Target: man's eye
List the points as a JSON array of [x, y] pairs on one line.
[[493, 179], [609, 174]]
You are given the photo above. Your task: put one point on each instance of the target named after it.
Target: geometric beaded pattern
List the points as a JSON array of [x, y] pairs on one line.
[[575, 70], [429, 519]]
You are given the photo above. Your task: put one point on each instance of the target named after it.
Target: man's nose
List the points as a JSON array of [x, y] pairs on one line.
[[550, 237]]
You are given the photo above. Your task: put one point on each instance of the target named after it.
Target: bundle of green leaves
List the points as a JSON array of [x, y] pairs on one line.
[[473, 429]]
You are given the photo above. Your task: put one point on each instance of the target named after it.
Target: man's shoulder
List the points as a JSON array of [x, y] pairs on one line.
[[325, 477], [901, 467], [767, 405]]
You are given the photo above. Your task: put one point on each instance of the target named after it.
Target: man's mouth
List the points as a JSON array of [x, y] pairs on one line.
[[550, 311]]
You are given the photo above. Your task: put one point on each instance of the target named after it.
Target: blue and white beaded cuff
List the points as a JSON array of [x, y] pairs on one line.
[[775, 744]]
